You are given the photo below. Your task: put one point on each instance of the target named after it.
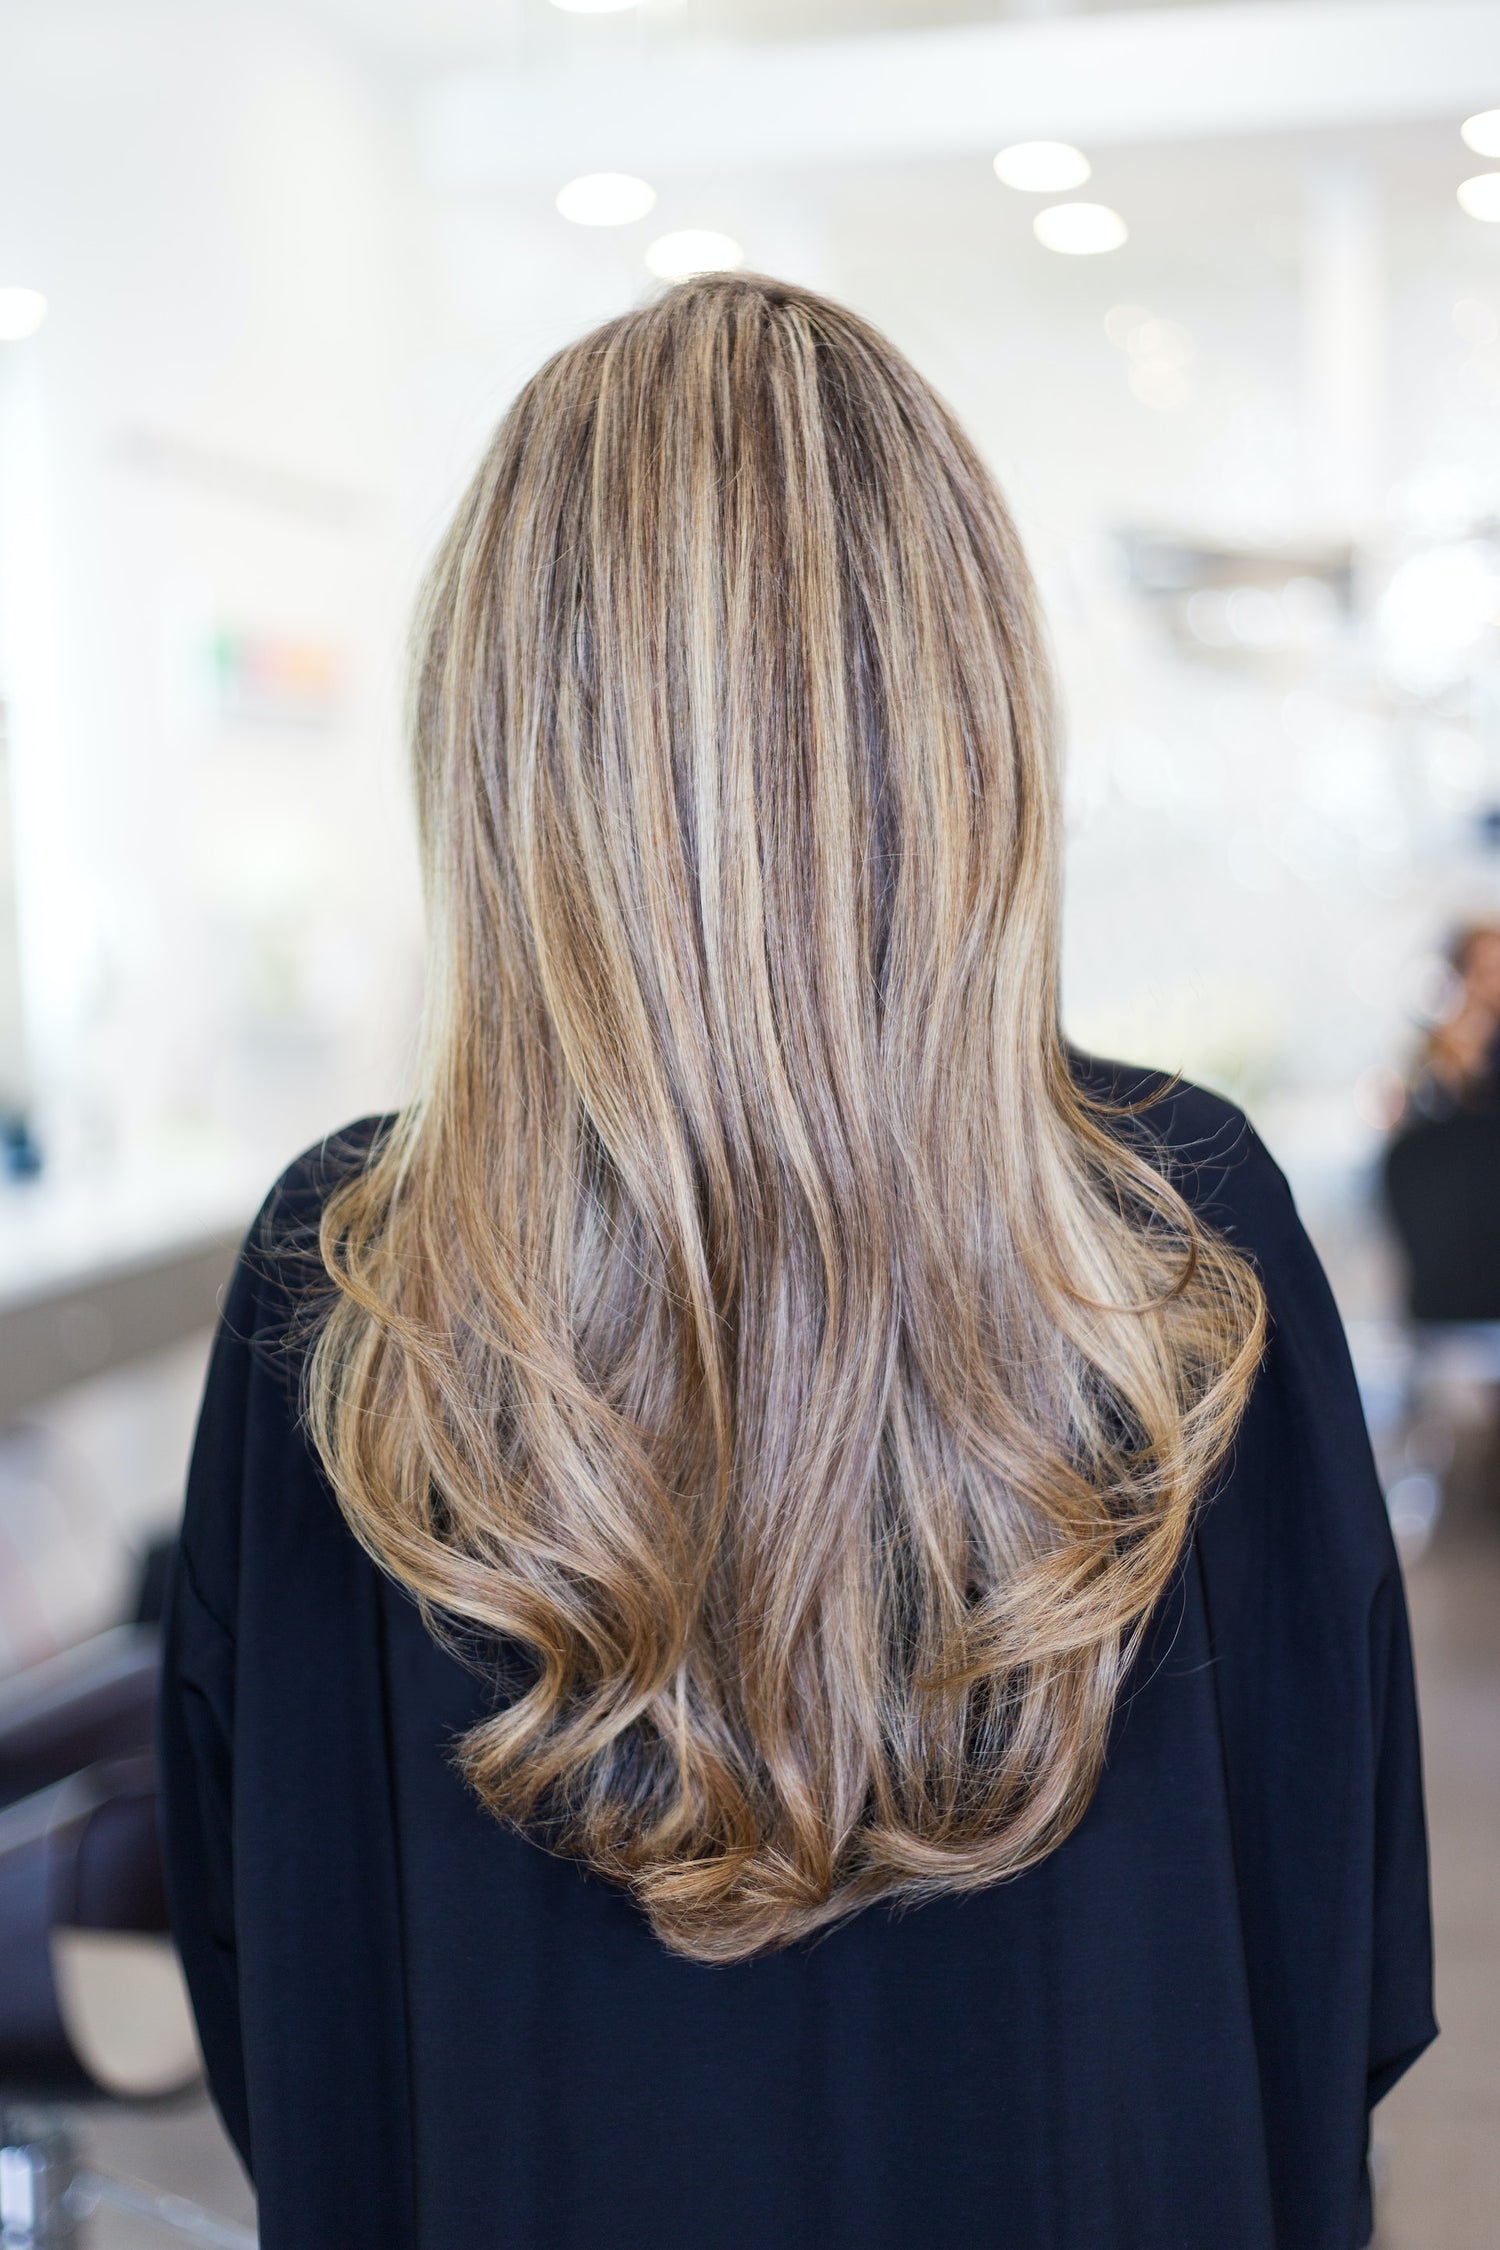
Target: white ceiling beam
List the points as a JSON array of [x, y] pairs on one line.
[[1242, 66]]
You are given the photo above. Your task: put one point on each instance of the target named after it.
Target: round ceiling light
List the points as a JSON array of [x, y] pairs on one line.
[[1480, 196], [1079, 230], [22, 312], [1482, 132], [1042, 167], [595, 7], [606, 199], [676, 257]]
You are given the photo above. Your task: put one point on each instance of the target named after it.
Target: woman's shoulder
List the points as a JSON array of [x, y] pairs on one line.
[[251, 1461], [301, 1190], [1303, 1495], [1204, 1144], [281, 1261]]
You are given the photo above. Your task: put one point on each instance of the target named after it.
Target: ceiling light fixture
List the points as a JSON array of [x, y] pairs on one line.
[[1480, 197], [676, 257], [22, 312], [1042, 167], [1080, 230], [606, 199], [1482, 132], [595, 7]]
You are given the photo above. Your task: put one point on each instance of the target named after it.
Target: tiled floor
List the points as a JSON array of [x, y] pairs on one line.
[[1437, 2137]]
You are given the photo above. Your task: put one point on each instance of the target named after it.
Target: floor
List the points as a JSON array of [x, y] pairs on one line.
[[172, 2151], [1437, 2136]]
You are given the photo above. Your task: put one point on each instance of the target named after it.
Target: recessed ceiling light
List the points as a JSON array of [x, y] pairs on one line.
[[605, 199], [1042, 167], [1480, 196], [595, 7], [22, 312], [1079, 230], [1483, 132], [674, 257]]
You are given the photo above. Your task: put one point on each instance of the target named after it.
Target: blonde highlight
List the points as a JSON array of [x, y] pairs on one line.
[[753, 1319]]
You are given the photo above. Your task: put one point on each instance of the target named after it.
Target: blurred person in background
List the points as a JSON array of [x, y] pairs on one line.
[[1441, 1172], [785, 1632], [1459, 1066]]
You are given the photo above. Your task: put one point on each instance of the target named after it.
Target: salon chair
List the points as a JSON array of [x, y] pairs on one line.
[[92, 2003]]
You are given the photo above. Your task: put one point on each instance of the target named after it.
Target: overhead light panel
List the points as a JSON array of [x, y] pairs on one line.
[[606, 199], [675, 257], [1080, 230], [22, 312], [595, 7], [1042, 167], [1482, 132], [1480, 196]]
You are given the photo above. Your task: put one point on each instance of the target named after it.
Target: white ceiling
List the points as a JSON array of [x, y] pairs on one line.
[[1252, 66], [437, 33]]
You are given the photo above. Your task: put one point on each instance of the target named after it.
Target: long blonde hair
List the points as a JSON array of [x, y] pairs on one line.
[[751, 1318]]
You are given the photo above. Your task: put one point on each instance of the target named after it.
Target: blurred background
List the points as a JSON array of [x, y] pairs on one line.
[[1216, 287]]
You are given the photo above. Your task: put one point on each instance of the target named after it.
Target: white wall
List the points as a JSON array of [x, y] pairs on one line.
[[217, 912]]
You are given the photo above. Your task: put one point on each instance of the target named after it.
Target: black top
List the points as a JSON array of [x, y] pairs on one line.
[[422, 2029], [1442, 1191]]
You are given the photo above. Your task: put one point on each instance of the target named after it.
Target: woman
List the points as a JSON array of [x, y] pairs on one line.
[[1459, 1065], [1441, 1172], [812, 1671]]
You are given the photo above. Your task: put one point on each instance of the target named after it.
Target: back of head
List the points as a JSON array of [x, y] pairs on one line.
[[750, 1317]]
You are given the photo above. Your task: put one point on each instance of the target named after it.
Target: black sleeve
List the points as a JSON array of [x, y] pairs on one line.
[[196, 1722], [1316, 1699], [1401, 2019], [251, 1389], [1402, 2024]]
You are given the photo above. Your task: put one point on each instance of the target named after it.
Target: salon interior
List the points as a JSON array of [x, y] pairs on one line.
[[1216, 286]]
